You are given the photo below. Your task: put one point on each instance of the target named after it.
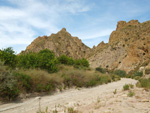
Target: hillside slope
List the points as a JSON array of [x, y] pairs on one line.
[[128, 47], [60, 43]]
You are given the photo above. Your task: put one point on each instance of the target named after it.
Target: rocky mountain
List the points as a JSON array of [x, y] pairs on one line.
[[60, 43], [128, 47]]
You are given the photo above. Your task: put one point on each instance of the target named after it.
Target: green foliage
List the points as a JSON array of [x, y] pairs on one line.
[[140, 74], [45, 59], [131, 86], [8, 57], [120, 73], [8, 84], [100, 69], [131, 94], [45, 87], [147, 71], [82, 62], [104, 79], [145, 83], [29, 60], [71, 110], [24, 81], [63, 59], [115, 77], [126, 87]]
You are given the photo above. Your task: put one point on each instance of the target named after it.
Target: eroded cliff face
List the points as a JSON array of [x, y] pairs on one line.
[[128, 47], [60, 43]]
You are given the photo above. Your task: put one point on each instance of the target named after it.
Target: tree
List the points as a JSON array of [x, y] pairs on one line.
[[8, 57], [63, 59]]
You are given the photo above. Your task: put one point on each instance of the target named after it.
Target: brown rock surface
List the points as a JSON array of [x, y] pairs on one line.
[[60, 43], [128, 47]]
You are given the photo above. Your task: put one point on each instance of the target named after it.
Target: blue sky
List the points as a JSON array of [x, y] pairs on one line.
[[21, 21]]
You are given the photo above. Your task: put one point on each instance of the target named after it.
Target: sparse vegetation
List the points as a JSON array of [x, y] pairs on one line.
[[131, 86], [120, 73], [131, 93], [144, 83], [71, 110], [147, 71], [100, 69], [140, 74], [43, 72], [115, 91], [8, 84], [126, 87]]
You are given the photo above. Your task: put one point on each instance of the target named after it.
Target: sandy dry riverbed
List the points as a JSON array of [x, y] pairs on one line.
[[100, 99]]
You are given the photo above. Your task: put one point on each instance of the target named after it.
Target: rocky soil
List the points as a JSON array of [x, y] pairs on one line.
[[100, 99]]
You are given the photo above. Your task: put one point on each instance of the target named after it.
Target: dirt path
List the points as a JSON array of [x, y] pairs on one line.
[[99, 99]]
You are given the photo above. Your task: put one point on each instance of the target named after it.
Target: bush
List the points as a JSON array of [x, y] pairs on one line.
[[74, 78], [42, 81], [99, 69], [115, 77], [145, 83], [45, 59], [8, 57], [63, 59], [24, 81], [147, 71], [126, 87], [140, 74], [8, 84], [29, 60], [131, 94], [82, 62], [120, 73]]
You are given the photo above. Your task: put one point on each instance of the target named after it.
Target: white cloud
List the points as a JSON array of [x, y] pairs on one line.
[[21, 24]]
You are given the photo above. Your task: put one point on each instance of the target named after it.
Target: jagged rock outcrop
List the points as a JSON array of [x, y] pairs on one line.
[[60, 43], [128, 47]]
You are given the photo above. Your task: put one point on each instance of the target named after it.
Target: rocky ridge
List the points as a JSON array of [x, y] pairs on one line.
[[60, 43], [128, 47]]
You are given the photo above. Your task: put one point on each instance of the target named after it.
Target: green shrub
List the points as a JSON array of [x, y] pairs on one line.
[[24, 81], [145, 83], [131, 94], [91, 83], [115, 77], [8, 57], [71, 110], [8, 84], [45, 59], [29, 60], [126, 87], [82, 62], [63, 59], [99, 69], [131, 86], [105, 79], [74, 78], [120, 73], [42, 81], [147, 71], [140, 74]]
